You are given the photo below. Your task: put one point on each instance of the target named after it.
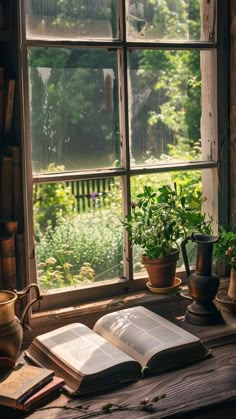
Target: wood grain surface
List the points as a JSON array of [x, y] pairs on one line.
[[206, 389]]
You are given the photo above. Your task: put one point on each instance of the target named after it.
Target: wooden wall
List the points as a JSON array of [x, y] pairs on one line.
[[233, 111]]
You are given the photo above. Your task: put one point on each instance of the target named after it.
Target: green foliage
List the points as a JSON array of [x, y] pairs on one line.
[[55, 274], [88, 247], [190, 182], [71, 96], [52, 200], [66, 9], [69, 242], [93, 238], [160, 219], [176, 19], [73, 93], [180, 111], [225, 248]]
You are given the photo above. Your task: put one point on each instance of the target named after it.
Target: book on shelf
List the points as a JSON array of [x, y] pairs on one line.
[[9, 105], [5, 186], [122, 347], [21, 273], [8, 260], [20, 260], [1, 100], [17, 201], [19, 383]]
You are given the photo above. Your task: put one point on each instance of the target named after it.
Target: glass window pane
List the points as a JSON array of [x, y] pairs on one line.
[[78, 232], [165, 20], [71, 19], [74, 109], [165, 106], [192, 184]]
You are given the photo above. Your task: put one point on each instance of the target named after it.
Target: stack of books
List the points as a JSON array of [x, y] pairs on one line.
[[12, 246], [26, 387]]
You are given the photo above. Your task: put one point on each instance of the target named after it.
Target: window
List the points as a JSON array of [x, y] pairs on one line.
[[120, 94]]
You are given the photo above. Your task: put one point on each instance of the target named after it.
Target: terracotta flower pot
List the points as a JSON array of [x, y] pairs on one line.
[[161, 272], [232, 284]]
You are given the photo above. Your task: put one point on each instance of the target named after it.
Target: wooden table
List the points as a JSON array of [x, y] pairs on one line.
[[206, 389]]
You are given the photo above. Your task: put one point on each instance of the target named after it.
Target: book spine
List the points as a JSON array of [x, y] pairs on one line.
[[7, 245], [20, 261], [9, 105], [44, 394], [6, 187], [17, 204], [44, 380], [1, 101], [21, 279]]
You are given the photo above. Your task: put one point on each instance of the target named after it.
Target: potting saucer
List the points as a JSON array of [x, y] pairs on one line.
[[226, 302], [165, 290]]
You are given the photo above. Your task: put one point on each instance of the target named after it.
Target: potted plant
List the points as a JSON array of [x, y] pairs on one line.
[[225, 251], [158, 221]]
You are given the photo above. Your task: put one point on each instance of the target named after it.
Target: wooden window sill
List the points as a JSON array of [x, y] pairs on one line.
[[171, 306], [88, 313]]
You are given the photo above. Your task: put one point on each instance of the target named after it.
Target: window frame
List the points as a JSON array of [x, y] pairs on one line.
[[218, 166]]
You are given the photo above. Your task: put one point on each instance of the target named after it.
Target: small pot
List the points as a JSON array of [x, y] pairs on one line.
[[232, 285], [161, 271]]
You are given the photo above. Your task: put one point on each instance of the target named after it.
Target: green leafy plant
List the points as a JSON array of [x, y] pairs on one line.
[[160, 219], [82, 249], [52, 201], [225, 248]]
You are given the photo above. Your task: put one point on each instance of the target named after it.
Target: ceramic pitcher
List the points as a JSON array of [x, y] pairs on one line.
[[11, 328]]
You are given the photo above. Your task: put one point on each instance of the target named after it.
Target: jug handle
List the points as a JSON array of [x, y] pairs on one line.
[[184, 253], [23, 293]]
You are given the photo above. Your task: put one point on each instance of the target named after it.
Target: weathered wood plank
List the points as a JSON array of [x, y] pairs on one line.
[[232, 110]]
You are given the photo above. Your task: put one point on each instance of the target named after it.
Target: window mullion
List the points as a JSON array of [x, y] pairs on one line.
[[124, 136], [26, 152], [223, 64], [121, 19]]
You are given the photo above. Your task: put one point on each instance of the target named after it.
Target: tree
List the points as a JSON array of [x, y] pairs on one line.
[[166, 84], [162, 113]]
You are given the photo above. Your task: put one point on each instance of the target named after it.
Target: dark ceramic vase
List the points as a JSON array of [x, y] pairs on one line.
[[203, 284]]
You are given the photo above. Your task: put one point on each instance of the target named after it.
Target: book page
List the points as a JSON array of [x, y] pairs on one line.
[[141, 333], [83, 350]]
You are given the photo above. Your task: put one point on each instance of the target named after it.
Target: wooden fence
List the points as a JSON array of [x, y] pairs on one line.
[[88, 194]]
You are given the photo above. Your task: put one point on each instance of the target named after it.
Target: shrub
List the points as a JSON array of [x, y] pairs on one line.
[[94, 238], [51, 201], [79, 248]]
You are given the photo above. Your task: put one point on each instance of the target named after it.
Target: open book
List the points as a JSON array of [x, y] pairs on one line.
[[120, 348]]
